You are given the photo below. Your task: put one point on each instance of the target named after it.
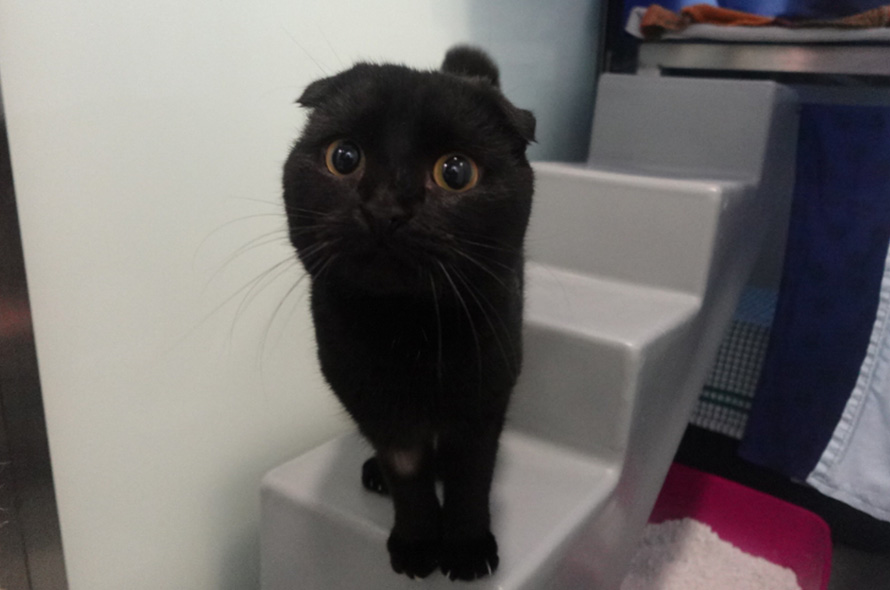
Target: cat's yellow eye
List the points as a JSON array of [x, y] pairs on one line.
[[343, 157], [456, 173]]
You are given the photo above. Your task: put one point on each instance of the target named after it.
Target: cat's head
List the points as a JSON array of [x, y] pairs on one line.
[[404, 179]]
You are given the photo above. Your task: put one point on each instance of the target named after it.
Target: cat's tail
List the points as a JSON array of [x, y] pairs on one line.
[[471, 62]]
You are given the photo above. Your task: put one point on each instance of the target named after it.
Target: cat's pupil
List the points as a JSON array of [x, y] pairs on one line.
[[457, 172], [346, 157]]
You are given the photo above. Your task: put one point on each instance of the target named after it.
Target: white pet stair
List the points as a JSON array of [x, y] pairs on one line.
[[637, 260]]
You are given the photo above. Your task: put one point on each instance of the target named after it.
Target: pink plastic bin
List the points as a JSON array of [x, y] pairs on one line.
[[754, 522]]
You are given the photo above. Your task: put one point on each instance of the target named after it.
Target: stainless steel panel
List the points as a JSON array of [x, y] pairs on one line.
[[859, 60]]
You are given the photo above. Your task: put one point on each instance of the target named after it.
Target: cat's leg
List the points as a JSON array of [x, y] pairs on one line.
[[414, 541], [465, 462]]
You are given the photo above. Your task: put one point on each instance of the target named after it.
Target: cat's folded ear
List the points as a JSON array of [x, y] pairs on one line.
[[316, 93], [321, 91], [521, 120], [471, 62]]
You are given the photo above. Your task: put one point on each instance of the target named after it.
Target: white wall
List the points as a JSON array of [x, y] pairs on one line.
[[147, 140]]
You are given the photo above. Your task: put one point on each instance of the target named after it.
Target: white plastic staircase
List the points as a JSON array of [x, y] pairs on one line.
[[637, 259]]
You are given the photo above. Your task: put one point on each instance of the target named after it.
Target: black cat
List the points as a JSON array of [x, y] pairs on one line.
[[407, 198]]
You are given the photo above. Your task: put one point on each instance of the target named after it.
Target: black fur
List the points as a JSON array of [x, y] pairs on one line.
[[472, 63], [417, 291]]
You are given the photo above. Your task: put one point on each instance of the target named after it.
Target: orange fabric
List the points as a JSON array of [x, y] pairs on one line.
[[714, 15], [658, 19]]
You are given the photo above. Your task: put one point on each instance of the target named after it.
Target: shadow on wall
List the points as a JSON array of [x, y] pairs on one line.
[[548, 54]]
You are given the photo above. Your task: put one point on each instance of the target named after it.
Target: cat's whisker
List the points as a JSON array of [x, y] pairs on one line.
[[317, 269], [286, 207], [488, 258], [309, 251], [454, 241], [484, 268], [469, 318], [438, 329], [479, 298], [305, 51], [331, 47], [324, 267], [230, 298], [294, 209], [229, 223], [257, 286], [274, 237], [490, 246], [277, 204], [278, 307]]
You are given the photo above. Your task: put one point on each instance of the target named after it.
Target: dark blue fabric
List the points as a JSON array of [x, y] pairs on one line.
[[838, 236], [822, 8]]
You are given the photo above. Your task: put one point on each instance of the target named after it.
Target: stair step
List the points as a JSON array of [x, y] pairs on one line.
[[622, 314], [315, 512]]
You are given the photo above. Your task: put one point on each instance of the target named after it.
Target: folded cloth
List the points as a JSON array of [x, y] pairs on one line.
[[714, 15], [874, 18], [854, 467], [657, 20], [833, 287], [726, 397]]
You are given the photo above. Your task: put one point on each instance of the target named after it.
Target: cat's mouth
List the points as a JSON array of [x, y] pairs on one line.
[[384, 262]]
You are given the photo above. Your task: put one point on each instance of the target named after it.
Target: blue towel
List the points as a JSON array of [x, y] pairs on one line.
[[828, 300]]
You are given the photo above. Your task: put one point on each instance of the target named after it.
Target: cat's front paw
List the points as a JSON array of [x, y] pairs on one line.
[[415, 559], [469, 559]]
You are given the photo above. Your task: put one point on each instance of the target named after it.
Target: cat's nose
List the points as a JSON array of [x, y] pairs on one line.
[[384, 218]]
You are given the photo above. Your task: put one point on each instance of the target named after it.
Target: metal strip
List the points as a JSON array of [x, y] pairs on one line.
[[857, 60]]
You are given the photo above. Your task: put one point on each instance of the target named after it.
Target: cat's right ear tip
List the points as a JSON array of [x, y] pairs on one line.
[[471, 62]]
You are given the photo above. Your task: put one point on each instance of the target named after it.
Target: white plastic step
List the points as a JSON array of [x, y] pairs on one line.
[[643, 229], [322, 528], [587, 343], [692, 128]]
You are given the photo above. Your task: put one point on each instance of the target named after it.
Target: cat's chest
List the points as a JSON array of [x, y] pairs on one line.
[[399, 342], [380, 328]]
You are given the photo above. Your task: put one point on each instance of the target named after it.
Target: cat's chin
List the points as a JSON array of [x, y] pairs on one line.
[[381, 276]]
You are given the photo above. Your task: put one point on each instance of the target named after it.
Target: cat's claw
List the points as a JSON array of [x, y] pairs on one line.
[[469, 559], [372, 477], [413, 558]]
